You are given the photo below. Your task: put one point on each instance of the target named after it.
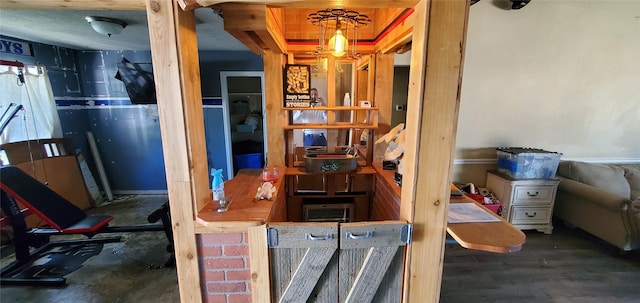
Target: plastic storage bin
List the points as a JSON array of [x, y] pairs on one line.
[[244, 128], [248, 161], [527, 163]]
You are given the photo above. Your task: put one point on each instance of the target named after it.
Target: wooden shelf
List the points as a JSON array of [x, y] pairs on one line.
[[368, 114], [332, 126], [297, 171], [333, 108]]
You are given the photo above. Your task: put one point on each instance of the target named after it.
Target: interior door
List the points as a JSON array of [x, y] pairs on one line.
[[244, 119], [332, 262]]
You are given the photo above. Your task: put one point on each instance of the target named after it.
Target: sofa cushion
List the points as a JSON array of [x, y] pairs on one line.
[[632, 174], [609, 178]]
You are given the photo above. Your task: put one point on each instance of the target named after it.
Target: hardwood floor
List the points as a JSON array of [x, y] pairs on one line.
[[567, 266]]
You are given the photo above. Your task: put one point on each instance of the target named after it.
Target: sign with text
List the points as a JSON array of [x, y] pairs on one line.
[[297, 82], [15, 47]]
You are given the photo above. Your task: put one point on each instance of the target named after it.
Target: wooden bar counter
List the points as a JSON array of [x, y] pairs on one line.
[[498, 237], [243, 211]]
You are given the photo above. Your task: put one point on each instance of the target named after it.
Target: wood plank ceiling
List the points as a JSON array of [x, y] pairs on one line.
[[287, 30]]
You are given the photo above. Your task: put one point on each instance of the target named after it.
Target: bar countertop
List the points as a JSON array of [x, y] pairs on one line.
[[498, 237], [243, 211]]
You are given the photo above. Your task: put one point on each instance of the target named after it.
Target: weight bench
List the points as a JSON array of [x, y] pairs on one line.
[[62, 218]]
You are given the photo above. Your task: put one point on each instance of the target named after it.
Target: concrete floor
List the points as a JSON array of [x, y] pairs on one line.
[[122, 276]]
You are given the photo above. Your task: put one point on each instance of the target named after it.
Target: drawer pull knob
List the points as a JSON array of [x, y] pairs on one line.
[[368, 235], [311, 237], [531, 216], [532, 194]]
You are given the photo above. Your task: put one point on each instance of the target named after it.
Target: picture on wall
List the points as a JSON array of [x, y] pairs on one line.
[[297, 82]]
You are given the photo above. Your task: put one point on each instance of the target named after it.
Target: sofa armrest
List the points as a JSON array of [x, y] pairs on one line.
[[594, 195]]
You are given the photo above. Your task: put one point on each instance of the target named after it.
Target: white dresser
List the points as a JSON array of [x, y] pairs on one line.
[[526, 203]]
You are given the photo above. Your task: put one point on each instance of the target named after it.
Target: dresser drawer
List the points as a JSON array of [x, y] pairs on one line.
[[530, 215], [533, 195]]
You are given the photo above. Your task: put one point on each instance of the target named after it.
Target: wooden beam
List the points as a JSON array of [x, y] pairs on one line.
[[254, 25], [276, 117], [174, 50], [434, 95], [275, 27], [191, 4], [383, 93], [74, 4]]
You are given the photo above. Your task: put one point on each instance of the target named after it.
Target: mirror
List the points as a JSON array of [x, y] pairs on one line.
[[332, 79]]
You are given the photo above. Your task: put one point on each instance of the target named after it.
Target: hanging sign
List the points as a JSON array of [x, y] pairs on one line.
[[15, 47], [297, 82]]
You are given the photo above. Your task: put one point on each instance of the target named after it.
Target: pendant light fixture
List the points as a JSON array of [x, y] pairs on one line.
[[338, 44], [343, 24]]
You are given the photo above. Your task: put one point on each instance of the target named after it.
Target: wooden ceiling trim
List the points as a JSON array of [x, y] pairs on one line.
[[309, 48], [134, 5], [385, 17], [397, 34], [192, 4]]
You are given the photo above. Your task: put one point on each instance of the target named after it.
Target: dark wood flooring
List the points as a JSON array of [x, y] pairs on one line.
[[568, 266]]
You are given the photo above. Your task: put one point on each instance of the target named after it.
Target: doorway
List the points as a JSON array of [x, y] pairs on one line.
[[244, 120]]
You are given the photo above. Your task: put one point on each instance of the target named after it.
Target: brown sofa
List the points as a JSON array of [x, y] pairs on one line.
[[599, 199]]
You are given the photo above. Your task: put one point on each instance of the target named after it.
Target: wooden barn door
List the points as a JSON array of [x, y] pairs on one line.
[[331, 262]]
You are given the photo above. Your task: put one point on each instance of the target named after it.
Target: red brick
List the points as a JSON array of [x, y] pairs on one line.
[[239, 298], [210, 275], [234, 275], [226, 287], [236, 250], [215, 299], [209, 251], [245, 238], [221, 238], [217, 263]]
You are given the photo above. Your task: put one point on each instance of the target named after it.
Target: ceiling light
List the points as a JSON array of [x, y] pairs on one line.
[[106, 26], [345, 23], [338, 44]]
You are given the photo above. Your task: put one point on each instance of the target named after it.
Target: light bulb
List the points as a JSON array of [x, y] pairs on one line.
[[338, 44]]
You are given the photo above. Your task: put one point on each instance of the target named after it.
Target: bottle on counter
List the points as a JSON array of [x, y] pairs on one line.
[[217, 185]]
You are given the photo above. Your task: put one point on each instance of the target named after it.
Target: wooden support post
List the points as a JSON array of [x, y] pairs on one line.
[[434, 96], [259, 256], [273, 65], [383, 92], [174, 50]]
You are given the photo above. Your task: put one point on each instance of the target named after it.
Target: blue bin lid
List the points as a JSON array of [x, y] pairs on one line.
[[523, 150]]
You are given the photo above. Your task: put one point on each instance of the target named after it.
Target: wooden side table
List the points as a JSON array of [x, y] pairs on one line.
[[526, 203]]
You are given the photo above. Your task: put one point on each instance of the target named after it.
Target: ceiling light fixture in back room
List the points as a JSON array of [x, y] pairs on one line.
[[106, 26]]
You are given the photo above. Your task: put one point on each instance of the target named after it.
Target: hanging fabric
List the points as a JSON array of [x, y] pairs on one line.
[[30, 87]]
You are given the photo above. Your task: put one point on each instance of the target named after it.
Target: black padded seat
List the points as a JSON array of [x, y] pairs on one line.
[[55, 210]]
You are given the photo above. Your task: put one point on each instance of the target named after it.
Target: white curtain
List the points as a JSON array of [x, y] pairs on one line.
[[39, 119]]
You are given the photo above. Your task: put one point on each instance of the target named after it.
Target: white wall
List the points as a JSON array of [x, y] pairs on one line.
[[558, 75]]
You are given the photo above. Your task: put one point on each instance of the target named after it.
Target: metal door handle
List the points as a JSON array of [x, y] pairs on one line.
[[311, 237], [531, 216], [351, 236], [532, 195]]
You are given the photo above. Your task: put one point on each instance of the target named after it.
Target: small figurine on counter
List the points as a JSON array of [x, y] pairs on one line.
[[265, 191]]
